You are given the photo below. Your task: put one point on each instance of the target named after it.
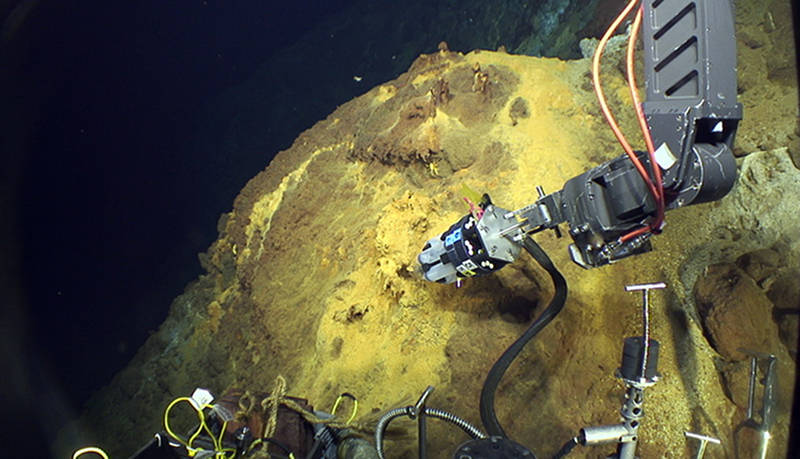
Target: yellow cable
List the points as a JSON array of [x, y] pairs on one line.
[[336, 404], [355, 406], [204, 426], [255, 443], [353, 414], [90, 449], [218, 441], [187, 444]]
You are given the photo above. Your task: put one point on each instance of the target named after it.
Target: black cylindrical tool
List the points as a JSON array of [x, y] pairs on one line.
[[632, 351]]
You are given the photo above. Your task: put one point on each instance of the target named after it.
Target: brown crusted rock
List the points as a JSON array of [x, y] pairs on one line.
[[789, 325], [440, 92], [434, 114], [737, 317], [735, 312], [480, 80], [434, 61], [762, 265]]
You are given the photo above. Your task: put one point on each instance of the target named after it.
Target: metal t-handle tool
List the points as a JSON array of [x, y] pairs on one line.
[[638, 371], [645, 289], [767, 413], [704, 440]]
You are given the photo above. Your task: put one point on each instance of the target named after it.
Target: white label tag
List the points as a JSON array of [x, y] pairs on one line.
[[467, 268], [201, 397], [224, 414], [664, 157]]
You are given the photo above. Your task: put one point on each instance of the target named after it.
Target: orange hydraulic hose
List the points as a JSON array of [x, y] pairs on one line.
[[659, 185], [656, 189], [612, 122], [635, 233], [637, 22]]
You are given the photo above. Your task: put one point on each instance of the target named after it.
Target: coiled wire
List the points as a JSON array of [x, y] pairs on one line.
[[384, 421], [470, 429]]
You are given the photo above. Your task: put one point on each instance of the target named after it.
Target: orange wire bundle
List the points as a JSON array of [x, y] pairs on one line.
[[654, 184]]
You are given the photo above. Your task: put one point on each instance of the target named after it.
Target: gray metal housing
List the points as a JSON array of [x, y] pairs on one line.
[[690, 70]]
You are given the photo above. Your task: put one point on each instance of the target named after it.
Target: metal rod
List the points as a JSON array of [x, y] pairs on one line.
[[646, 327], [768, 401], [763, 444], [423, 450], [511, 228], [752, 387], [645, 289], [418, 411], [651, 286], [627, 450], [704, 440]]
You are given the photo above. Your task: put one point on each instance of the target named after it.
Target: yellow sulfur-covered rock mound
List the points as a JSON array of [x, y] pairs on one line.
[[314, 274]]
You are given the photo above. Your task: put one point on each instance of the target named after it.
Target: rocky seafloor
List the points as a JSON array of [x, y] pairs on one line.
[[313, 276]]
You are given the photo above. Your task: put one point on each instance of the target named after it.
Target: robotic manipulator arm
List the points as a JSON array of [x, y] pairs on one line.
[[692, 114]]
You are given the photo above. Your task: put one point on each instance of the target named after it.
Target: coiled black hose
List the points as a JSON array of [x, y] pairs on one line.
[[384, 421], [488, 416]]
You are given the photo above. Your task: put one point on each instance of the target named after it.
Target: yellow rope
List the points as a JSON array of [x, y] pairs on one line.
[[277, 397], [246, 404], [272, 403]]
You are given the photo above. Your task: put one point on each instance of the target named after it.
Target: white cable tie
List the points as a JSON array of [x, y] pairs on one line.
[[664, 156]]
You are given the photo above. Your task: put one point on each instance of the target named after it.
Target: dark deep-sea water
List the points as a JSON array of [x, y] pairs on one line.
[[123, 142], [115, 198]]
